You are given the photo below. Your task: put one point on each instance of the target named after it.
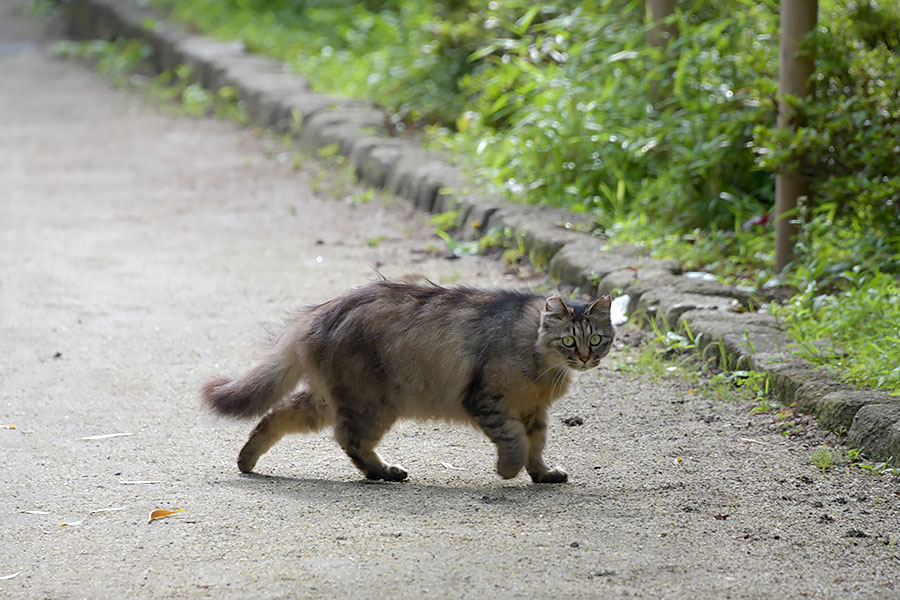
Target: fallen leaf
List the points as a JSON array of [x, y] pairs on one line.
[[4, 577], [678, 460], [72, 524], [451, 467], [111, 509], [105, 436], [10, 426], [162, 514], [721, 517]]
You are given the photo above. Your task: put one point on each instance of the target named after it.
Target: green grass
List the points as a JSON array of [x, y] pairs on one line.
[[853, 332]]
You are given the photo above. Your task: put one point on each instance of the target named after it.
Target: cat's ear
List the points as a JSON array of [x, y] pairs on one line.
[[556, 307], [602, 303]]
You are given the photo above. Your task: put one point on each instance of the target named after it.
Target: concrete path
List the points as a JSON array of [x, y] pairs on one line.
[[141, 252]]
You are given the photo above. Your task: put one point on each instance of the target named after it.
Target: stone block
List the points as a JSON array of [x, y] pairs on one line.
[[572, 263], [207, 57], [666, 307], [376, 164], [876, 430], [835, 411], [542, 231], [300, 107], [320, 129], [808, 395]]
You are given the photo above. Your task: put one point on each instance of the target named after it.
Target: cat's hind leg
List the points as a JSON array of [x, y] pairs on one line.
[[304, 412], [536, 429], [358, 432]]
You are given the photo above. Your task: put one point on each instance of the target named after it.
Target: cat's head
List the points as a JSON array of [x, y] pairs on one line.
[[577, 334]]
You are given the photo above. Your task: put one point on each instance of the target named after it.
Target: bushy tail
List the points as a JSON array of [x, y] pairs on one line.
[[260, 389]]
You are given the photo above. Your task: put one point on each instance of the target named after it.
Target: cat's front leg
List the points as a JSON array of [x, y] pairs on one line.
[[536, 429], [504, 429]]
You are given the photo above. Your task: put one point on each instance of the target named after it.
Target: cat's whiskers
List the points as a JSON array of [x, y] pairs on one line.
[[547, 370], [558, 380]]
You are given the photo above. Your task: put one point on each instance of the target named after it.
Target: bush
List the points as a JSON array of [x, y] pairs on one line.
[[580, 112]]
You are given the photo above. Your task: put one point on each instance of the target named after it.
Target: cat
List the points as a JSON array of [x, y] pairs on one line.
[[397, 349]]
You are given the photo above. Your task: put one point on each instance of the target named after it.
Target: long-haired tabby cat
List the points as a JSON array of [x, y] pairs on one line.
[[392, 350]]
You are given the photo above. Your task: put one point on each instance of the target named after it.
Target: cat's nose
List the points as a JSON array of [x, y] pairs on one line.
[[585, 359]]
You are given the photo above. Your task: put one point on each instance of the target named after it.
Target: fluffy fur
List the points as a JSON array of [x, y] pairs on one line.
[[392, 350]]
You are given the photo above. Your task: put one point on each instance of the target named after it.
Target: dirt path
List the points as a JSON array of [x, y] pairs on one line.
[[140, 253]]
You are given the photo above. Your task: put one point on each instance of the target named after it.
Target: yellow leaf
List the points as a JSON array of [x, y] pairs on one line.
[[10, 426], [160, 514], [678, 460]]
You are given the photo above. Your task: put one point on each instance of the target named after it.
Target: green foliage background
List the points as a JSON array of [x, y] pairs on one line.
[[565, 103]]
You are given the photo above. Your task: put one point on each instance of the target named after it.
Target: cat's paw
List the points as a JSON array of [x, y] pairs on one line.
[[388, 473], [246, 463], [554, 475], [509, 470], [395, 473], [248, 457]]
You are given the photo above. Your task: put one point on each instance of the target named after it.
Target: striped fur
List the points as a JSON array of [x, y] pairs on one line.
[[391, 350]]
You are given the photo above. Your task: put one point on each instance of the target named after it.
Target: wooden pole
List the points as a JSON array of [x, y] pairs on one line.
[[660, 34], [798, 18]]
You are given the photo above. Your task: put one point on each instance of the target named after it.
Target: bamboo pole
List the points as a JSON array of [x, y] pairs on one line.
[[798, 18], [660, 34]]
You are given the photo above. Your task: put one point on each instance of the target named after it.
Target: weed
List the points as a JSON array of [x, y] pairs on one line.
[[445, 221], [455, 247], [329, 151], [372, 242], [823, 459], [881, 468], [649, 360], [361, 197]]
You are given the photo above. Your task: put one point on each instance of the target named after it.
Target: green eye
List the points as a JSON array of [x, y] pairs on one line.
[[568, 341], [595, 340]]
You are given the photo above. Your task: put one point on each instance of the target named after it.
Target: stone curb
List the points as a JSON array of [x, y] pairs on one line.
[[718, 317]]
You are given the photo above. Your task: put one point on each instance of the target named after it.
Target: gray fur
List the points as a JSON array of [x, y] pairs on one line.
[[392, 350]]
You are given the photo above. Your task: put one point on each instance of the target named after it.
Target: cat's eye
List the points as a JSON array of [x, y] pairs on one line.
[[595, 339], [568, 341]]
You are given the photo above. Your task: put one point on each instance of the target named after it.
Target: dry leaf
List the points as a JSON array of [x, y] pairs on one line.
[[721, 517], [161, 514], [112, 509], [105, 436], [678, 460], [72, 524]]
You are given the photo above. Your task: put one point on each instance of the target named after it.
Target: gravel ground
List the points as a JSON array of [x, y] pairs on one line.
[[141, 252]]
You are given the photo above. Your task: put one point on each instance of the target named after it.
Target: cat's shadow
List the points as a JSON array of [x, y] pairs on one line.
[[414, 496]]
